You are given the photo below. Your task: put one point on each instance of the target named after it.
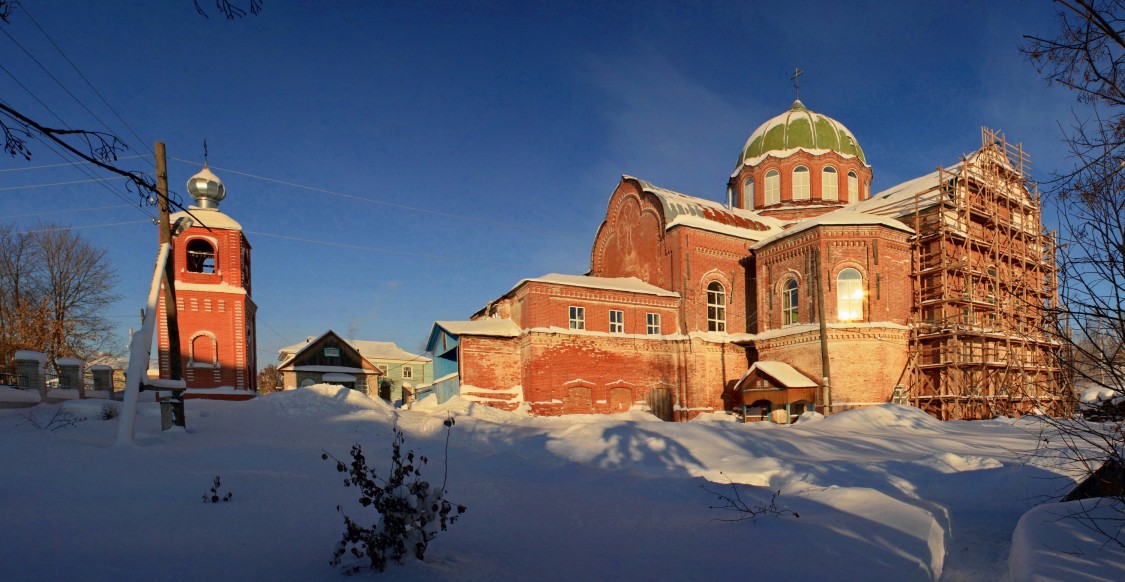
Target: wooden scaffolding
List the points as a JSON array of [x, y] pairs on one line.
[[983, 278]]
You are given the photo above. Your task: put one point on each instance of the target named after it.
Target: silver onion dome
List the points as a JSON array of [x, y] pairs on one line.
[[206, 188]]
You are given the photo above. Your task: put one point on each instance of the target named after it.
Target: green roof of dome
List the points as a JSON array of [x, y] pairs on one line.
[[801, 128]]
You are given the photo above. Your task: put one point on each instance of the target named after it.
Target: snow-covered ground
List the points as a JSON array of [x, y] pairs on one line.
[[885, 493]]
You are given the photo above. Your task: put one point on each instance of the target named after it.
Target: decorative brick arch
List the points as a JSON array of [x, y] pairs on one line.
[[195, 263], [578, 397], [203, 342], [703, 293], [622, 395], [779, 289], [630, 243]]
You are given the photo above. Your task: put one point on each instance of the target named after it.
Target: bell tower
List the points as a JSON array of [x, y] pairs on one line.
[[214, 305]]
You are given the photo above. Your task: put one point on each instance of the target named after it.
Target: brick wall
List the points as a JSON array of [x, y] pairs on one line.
[[881, 255], [865, 362]]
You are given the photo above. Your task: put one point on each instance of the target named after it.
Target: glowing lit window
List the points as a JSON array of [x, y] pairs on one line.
[[829, 184], [773, 187], [849, 295], [789, 298], [853, 187], [716, 307], [801, 183]]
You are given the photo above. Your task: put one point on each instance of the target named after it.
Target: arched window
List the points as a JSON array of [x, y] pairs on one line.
[[801, 183], [716, 307], [789, 297], [829, 184], [866, 190], [849, 295], [204, 351], [748, 194], [200, 256], [853, 187], [773, 187]]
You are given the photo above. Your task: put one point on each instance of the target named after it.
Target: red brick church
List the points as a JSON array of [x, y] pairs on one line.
[[215, 310], [800, 291]]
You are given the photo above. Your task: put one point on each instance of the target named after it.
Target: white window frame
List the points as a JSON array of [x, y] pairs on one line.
[[773, 188], [616, 321], [790, 301], [716, 307], [407, 372], [829, 184], [853, 187], [577, 317], [748, 194], [802, 183], [652, 324]]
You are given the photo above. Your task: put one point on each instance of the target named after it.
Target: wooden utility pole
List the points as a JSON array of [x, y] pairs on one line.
[[818, 281], [175, 360]]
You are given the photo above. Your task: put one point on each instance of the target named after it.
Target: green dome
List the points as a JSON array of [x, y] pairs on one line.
[[801, 128]]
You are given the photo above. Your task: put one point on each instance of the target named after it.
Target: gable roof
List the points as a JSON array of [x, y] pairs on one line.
[[843, 217], [491, 326], [368, 350], [683, 210], [629, 284], [785, 374]]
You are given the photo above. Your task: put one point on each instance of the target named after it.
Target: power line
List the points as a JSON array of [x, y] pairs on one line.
[[384, 251], [390, 204], [55, 79], [87, 81], [66, 211], [87, 226], [79, 163], [30, 186]]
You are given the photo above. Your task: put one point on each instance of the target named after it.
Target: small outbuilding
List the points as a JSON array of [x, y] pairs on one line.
[[774, 391], [329, 359]]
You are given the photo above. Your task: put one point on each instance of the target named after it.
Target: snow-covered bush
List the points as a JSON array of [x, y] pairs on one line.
[[410, 511]]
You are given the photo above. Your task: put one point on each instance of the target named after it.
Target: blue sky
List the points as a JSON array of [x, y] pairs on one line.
[[475, 146]]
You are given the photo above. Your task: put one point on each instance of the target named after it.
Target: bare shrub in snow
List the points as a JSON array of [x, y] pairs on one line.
[[410, 511], [108, 411], [59, 419], [733, 502], [1087, 56], [215, 496]]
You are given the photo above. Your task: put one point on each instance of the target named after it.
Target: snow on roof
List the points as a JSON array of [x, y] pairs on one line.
[[208, 217], [684, 210], [69, 362], [629, 284], [333, 370], [223, 287], [841, 217], [785, 374], [899, 200], [370, 350], [492, 326], [373, 350], [31, 355], [782, 154]]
